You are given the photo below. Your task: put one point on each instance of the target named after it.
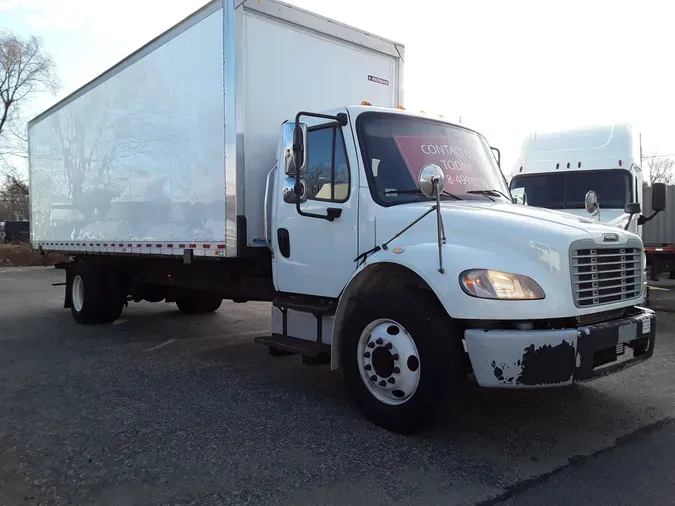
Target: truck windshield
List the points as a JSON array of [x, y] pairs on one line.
[[396, 147], [567, 190]]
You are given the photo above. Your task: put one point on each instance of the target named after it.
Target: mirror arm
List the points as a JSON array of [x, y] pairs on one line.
[[499, 156], [439, 226], [342, 120], [644, 219]]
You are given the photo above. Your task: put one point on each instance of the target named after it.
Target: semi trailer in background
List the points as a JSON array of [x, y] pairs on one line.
[[224, 161], [557, 170]]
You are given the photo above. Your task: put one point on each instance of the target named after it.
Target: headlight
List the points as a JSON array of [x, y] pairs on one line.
[[487, 284]]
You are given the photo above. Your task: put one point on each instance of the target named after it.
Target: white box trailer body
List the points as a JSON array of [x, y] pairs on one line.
[[169, 149]]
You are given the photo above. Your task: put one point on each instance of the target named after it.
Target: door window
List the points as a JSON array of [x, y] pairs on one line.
[[327, 176]]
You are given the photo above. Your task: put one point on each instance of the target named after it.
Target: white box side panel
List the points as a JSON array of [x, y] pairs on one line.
[[288, 69], [139, 157]]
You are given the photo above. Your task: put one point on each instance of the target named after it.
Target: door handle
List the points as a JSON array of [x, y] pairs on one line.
[[284, 240], [333, 212]]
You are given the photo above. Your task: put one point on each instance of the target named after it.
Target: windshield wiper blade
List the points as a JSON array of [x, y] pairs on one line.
[[489, 193], [417, 191]]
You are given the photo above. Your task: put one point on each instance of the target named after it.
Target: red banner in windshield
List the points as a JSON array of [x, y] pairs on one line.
[[463, 167]]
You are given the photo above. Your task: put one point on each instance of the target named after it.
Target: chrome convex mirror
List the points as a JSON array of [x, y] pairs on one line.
[[591, 201], [519, 196], [431, 180], [592, 205]]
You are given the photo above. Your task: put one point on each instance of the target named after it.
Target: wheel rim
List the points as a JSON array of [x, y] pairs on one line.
[[388, 361], [78, 293]]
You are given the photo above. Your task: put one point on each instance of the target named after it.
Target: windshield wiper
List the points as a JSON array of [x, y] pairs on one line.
[[417, 191], [489, 194]]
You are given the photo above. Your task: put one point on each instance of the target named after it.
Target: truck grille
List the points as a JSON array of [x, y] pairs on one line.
[[606, 275]]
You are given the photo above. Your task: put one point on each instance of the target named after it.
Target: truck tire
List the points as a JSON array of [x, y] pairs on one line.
[[402, 359], [95, 294], [199, 303]]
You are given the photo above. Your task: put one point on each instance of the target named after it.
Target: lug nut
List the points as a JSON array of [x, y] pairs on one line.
[[379, 341], [395, 356], [391, 380], [383, 383], [389, 346], [367, 354], [371, 345], [368, 367], [397, 370], [373, 378]]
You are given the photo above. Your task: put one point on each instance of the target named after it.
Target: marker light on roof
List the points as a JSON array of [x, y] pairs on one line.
[[400, 107], [365, 102]]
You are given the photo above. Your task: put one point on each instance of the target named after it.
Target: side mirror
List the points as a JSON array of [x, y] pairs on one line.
[[289, 194], [519, 196], [295, 140], [431, 180], [658, 197], [632, 208], [591, 202]]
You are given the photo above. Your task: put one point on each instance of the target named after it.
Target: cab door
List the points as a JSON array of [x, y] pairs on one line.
[[312, 255]]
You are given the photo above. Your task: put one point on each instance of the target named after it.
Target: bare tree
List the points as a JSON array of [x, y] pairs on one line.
[[25, 70], [660, 169], [14, 198]]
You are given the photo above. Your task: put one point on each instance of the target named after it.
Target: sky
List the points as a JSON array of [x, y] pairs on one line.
[[506, 68]]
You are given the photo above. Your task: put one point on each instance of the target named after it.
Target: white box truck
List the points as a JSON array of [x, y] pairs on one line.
[[223, 161]]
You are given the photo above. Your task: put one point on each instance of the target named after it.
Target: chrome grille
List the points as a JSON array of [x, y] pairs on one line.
[[605, 275]]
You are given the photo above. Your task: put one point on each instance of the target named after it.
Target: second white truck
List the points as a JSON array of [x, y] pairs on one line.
[[223, 161], [596, 171]]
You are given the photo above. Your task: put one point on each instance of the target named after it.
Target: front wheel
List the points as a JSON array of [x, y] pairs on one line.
[[402, 359]]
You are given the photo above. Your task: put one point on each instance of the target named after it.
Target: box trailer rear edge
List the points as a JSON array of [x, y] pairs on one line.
[[236, 241]]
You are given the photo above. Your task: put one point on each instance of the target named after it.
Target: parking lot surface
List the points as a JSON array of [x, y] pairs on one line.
[[163, 408]]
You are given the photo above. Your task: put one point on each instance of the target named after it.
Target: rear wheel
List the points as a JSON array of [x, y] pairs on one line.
[[402, 359], [199, 303], [95, 294]]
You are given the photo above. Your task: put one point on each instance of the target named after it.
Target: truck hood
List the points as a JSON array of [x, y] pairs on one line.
[[493, 221], [524, 240]]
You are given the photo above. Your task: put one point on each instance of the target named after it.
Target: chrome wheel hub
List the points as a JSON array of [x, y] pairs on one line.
[[388, 361]]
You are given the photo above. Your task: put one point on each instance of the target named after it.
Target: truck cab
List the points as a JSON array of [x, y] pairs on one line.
[[592, 172], [395, 242], [556, 170]]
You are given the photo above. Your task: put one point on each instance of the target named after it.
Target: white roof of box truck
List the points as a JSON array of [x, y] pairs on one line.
[[194, 117], [608, 146], [276, 9]]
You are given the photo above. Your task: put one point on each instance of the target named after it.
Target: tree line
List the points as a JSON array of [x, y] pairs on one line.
[[26, 71]]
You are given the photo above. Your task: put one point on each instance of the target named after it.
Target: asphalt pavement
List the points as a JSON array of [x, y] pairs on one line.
[[163, 408]]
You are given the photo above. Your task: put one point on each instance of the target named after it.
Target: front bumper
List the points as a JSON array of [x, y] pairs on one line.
[[547, 358]]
